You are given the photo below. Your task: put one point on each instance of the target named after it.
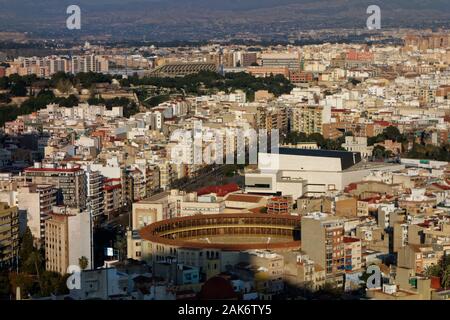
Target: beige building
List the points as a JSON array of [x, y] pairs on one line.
[[358, 144], [418, 257], [153, 209], [304, 272], [70, 182], [9, 233], [353, 254], [68, 237], [309, 119], [306, 205], [57, 243], [268, 269], [37, 201], [346, 207], [323, 241]]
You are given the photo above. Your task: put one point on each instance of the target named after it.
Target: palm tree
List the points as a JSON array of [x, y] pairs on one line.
[[121, 246], [446, 278], [83, 262], [64, 86], [433, 271], [35, 259]]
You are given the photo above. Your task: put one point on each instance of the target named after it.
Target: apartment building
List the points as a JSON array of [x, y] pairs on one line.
[[266, 71], [113, 196], [418, 257], [68, 237], [57, 243], [279, 205], [306, 205], [323, 242], [9, 234], [89, 63], [272, 118], [305, 272], [291, 60], [358, 144], [353, 254], [96, 201], [37, 200], [135, 185], [70, 182], [309, 119], [269, 267]]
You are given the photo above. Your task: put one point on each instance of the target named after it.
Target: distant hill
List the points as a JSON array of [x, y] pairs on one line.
[[183, 17]]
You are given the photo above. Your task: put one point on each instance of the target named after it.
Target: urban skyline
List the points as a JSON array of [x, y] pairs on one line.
[[249, 157]]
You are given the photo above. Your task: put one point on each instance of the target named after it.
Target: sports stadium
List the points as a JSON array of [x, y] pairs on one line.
[[226, 232]]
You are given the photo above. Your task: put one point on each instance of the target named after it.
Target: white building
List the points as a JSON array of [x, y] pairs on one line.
[[358, 144], [297, 172]]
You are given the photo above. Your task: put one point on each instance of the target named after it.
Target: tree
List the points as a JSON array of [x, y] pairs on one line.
[[19, 89], [445, 282], [36, 260], [441, 270], [68, 102], [4, 98], [4, 284], [53, 283], [26, 246], [121, 245], [61, 76], [64, 86], [24, 281], [433, 271], [83, 262], [329, 291], [392, 133], [379, 152], [4, 83]]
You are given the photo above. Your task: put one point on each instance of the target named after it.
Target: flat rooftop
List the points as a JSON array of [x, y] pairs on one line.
[[156, 197], [347, 158]]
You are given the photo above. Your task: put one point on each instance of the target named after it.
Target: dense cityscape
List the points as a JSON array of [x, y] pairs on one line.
[[315, 167]]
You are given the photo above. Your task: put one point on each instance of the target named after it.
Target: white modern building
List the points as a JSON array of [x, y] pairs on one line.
[[299, 172]]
